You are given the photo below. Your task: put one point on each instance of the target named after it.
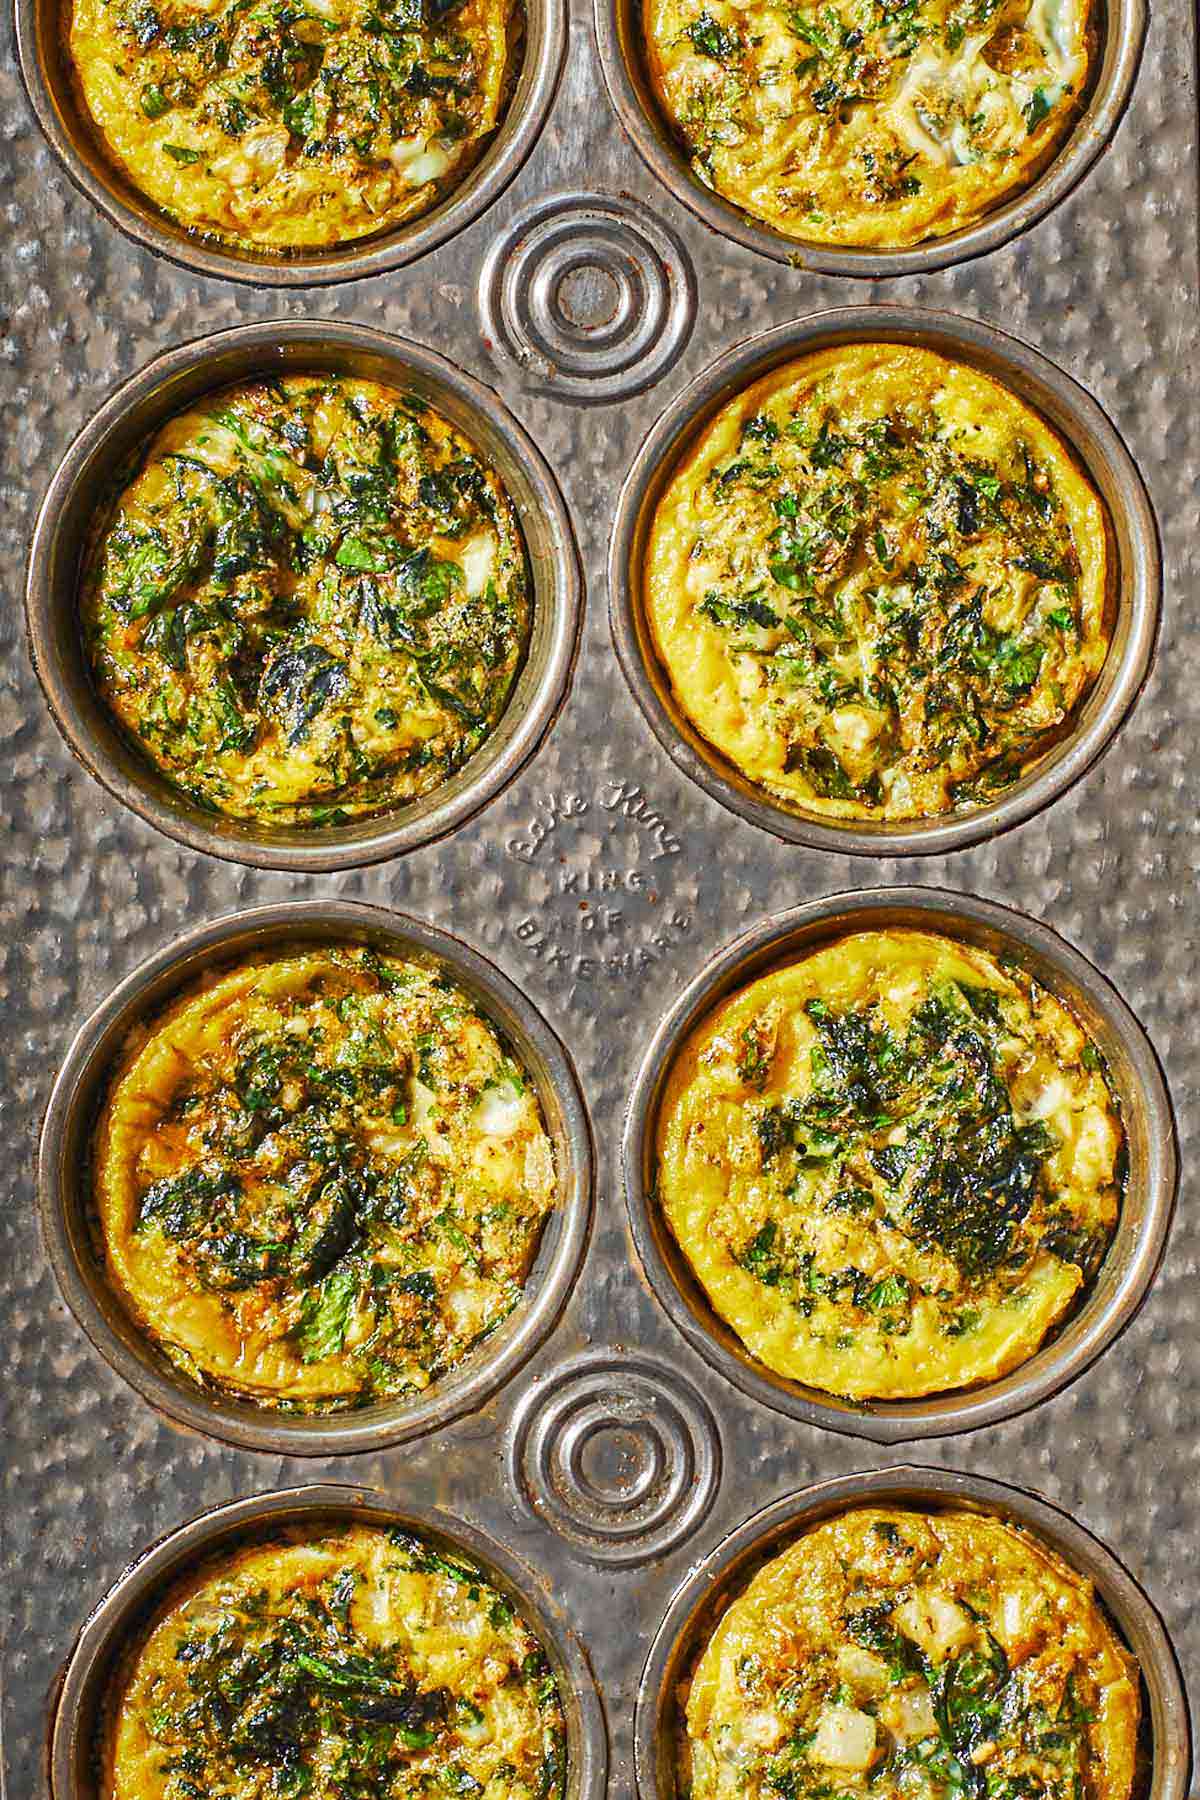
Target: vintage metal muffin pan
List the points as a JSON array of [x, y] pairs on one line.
[[614, 1457]]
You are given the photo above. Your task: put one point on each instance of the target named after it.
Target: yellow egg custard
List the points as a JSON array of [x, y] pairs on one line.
[[330, 1664], [913, 1656], [321, 1178], [292, 125], [870, 123], [310, 602], [880, 584], [893, 1166]]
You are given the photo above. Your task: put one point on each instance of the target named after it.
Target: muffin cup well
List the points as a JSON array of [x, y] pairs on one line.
[[83, 484], [68, 1211], [132, 1599], [620, 36], [1088, 433], [1132, 1258], [71, 134], [725, 1572]]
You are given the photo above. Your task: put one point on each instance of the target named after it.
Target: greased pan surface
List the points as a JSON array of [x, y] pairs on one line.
[[602, 879]]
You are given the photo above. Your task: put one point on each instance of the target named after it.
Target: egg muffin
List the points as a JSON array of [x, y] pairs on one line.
[[320, 1178], [880, 584], [309, 601], [292, 125], [865, 122], [331, 1663], [915, 1655], [893, 1166]]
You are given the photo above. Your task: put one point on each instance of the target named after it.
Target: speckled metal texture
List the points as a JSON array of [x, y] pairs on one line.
[[600, 881]]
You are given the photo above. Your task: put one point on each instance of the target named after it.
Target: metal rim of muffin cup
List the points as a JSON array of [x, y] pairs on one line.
[[62, 115], [71, 1232], [725, 1572], [84, 483], [1130, 1263], [131, 1601], [620, 37], [1087, 431]]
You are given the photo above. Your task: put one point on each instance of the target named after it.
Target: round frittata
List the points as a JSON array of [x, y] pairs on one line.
[[870, 123], [352, 1662], [310, 602], [292, 125], [880, 585], [893, 1166], [913, 1656], [321, 1178]]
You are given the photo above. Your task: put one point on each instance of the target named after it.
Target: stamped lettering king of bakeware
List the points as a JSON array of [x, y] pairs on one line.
[[594, 1487]]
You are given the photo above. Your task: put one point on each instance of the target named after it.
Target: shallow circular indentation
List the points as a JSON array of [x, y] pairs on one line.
[[619, 1454], [128, 1604], [1089, 435], [621, 41], [67, 1207], [129, 419], [591, 295], [726, 1571], [1134, 1253]]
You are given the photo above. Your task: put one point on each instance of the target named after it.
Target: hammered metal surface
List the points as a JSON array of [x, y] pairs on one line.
[[600, 881]]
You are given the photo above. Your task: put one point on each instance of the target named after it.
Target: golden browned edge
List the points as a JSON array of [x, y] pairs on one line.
[[281, 253], [1031, 171], [709, 1617], [727, 769]]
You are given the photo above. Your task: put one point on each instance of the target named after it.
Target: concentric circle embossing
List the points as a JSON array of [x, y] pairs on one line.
[[619, 1454], [591, 295]]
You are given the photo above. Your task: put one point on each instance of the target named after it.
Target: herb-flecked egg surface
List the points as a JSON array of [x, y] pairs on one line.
[[321, 1178], [897, 1654], [361, 1662], [893, 1166], [871, 123], [310, 603], [880, 584], [293, 125]]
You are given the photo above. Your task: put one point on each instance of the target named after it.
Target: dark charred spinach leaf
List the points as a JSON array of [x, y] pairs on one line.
[[298, 684]]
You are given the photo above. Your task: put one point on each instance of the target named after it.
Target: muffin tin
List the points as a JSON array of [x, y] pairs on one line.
[[577, 305]]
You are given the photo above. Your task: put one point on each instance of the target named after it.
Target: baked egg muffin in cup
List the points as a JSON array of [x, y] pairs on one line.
[[856, 139], [912, 1631], [899, 1161], [323, 1639], [291, 145], [316, 1179], [884, 581], [303, 595]]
